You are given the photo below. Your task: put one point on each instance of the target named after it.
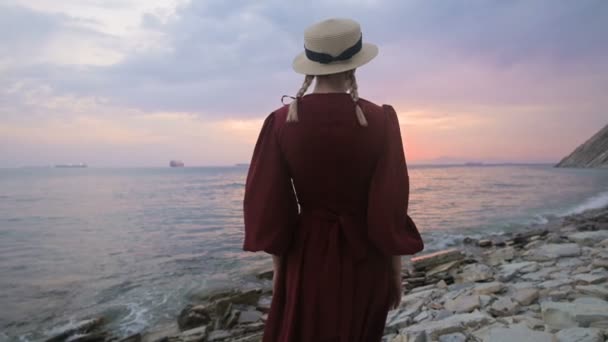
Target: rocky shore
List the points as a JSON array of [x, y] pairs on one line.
[[547, 284]]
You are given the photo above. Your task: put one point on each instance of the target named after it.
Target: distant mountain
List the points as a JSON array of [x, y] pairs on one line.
[[593, 153]]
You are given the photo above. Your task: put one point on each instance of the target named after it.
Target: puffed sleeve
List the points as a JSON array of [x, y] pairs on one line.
[[390, 228], [270, 205]]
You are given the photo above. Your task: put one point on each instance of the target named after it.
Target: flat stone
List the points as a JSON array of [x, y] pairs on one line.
[[442, 268], [231, 319], [594, 290], [473, 273], [558, 295], [569, 262], [403, 317], [499, 256], [509, 271], [555, 283], [418, 296], [518, 332], [251, 338], [451, 324], [422, 316], [249, 316], [488, 288], [600, 262], [436, 258], [412, 337], [580, 335], [422, 288], [603, 325], [504, 306], [483, 333], [541, 274], [454, 337], [554, 250], [563, 315], [484, 300], [589, 238], [196, 334], [267, 274], [219, 335], [526, 297], [193, 317], [531, 322], [463, 304], [159, 332], [590, 278], [484, 243]]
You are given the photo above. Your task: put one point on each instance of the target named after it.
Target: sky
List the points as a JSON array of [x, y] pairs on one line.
[[139, 82]]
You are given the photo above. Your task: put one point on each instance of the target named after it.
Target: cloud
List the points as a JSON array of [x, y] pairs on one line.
[[456, 66]]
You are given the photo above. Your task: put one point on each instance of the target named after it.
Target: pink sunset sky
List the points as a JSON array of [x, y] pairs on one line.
[[139, 82]]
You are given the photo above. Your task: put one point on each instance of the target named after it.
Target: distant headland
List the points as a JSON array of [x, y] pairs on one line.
[[593, 153]]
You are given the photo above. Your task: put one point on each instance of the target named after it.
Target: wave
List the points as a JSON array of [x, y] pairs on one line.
[[595, 202]]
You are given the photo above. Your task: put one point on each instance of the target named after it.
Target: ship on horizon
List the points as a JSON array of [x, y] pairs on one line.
[[71, 166], [176, 163]]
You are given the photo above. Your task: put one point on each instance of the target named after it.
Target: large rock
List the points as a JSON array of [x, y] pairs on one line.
[[580, 335], [451, 324], [474, 272], [581, 313], [499, 256], [508, 271], [257, 337], [555, 283], [552, 251], [249, 316], [463, 304], [589, 238], [504, 306], [401, 318], [526, 296], [264, 304], [587, 278], [488, 288], [455, 337], [442, 268], [194, 335], [437, 258], [219, 335], [425, 296], [193, 317], [92, 337], [518, 332], [594, 290]]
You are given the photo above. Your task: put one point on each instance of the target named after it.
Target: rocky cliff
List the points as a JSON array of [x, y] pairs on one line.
[[593, 153]]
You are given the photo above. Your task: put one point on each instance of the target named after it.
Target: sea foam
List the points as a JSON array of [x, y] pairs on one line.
[[595, 202]]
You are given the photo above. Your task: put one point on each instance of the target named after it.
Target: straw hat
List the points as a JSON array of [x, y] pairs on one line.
[[332, 46]]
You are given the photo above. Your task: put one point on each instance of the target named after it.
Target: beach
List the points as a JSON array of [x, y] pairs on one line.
[[544, 283]]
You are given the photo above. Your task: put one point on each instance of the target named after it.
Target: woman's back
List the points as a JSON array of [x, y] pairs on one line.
[[330, 156]]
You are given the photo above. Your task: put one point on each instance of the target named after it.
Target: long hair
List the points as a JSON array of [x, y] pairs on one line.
[[292, 114]]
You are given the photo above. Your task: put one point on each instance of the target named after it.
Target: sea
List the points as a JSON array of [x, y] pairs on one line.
[[136, 245]]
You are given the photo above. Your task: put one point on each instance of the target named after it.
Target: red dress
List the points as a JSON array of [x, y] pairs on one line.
[[330, 197]]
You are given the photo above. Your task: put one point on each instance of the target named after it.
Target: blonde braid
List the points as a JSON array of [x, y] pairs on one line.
[[292, 114], [354, 93]]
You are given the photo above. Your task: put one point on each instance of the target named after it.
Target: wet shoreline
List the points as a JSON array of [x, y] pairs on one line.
[[522, 282]]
